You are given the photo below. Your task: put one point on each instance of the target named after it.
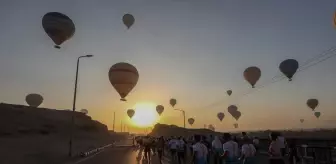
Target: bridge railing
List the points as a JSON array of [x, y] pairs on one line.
[[317, 154]]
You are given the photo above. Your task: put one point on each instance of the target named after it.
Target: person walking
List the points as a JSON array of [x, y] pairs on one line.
[[248, 151], [160, 148], [181, 150], [231, 150], [275, 150], [217, 149], [200, 152]]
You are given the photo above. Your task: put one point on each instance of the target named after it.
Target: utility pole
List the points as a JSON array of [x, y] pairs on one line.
[[113, 121], [121, 126]]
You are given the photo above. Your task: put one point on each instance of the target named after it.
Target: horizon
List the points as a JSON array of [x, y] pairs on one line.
[[193, 51]]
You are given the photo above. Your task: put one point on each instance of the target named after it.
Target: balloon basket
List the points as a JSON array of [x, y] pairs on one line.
[[123, 99], [57, 46]]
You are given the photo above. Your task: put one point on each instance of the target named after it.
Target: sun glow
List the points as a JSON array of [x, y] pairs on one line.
[[145, 115]]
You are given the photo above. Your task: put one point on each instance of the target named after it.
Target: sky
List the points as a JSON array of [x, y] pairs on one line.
[[191, 50]]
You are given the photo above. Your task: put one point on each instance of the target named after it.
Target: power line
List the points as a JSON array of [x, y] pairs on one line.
[[307, 64]]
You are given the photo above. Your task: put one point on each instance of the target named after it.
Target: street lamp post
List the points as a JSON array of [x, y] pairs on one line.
[[183, 116], [74, 104]]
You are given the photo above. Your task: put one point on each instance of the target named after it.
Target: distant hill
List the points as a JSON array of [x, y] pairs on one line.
[[20, 120], [172, 130], [41, 135]]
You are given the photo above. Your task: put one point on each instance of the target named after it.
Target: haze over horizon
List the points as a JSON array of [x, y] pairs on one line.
[[193, 51]]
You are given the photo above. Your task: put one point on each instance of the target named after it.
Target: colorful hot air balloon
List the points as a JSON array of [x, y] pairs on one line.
[[159, 109], [301, 120], [252, 75], [85, 111], [232, 109], [289, 67], [191, 121], [235, 125], [312, 103], [34, 100], [220, 116], [317, 114], [130, 113], [128, 20], [236, 115], [229, 92], [123, 77], [58, 26], [172, 102]]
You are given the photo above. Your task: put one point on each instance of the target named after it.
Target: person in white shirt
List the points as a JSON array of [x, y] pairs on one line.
[[200, 151], [173, 143], [282, 143], [231, 150], [181, 150], [248, 151], [256, 143], [275, 150], [217, 148]]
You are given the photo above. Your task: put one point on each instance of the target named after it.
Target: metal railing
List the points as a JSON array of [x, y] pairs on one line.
[[317, 154]]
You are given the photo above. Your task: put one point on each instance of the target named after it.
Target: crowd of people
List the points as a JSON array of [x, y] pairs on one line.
[[226, 149]]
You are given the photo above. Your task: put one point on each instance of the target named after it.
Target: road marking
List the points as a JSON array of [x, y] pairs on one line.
[[89, 157]]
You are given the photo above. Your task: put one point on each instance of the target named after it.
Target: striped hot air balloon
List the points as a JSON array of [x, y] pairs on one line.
[[123, 77], [58, 26]]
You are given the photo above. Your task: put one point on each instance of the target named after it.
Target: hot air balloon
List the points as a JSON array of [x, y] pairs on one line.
[[252, 75], [130, 113], [58, 26], [312, 103], [191, 121], [289, 67], [317, 114], [34, 100], [235, 125], [229, 92], [301, 120], [128, 20], [123, 77], [85, 111], [159, 109], [236, 115], [220, 116], [173, 102], [211, 127], [232, 109]]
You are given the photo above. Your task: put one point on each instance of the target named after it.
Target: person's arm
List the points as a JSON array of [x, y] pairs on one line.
[[270, 150], [225, 149], [243, 152], [193, 156]]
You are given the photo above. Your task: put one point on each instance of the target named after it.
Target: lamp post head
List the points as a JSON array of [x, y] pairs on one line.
[[89, 56]]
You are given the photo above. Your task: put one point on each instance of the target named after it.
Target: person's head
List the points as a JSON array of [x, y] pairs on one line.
[[246, 140], [197, 138], [273, 136], [216, 138], [227, 136], [244, 133]]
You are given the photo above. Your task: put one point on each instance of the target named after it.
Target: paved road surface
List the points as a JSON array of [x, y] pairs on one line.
[[118, 155]]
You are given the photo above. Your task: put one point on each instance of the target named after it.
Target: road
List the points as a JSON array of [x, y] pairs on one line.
[[120, 155]]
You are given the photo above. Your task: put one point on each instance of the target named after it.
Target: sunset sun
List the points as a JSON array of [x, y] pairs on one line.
[[145, 115]]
